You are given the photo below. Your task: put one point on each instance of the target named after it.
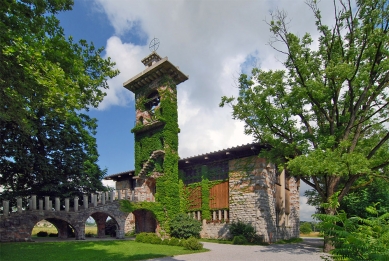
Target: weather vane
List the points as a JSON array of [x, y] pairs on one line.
[[154, 44]]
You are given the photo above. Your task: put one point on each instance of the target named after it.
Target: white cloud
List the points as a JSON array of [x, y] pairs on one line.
[[210, 41]]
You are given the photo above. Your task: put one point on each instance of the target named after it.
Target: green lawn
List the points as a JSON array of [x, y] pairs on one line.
[[117, 250]]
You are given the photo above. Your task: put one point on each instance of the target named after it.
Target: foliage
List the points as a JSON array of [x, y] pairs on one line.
[[47, 82], [240, 228], [163, 137], [365, 194], [183, 226], [305, 228], [324, 116], [42, 234], [174, 242], [357, 238], [239, 240], [118, 250], [150, 238], [192, 243], [110, 227]]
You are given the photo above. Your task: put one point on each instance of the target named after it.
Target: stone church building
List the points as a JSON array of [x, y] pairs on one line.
[[216, 188]]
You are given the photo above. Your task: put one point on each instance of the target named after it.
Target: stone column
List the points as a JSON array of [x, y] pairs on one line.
[[6, 208], [119, 194], [75, 204], [214, 215], [133, 195], [103, 198], [220, 215], [126, 194], [67, 204], [19, 204], [41, 204], [30, 203], [57, 204], [112, 196], [47, 200], [198, 215], [225, 215], [33, 202], [92, 199], [85, 202]]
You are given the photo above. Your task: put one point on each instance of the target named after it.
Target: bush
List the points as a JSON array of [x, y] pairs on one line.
[[166, 241], [110, 228], [239, 240], [183, 226], [242, 229], [42, 234], [174, 242], [53, 235], [150, 238], [192, 244], [305, 228], [89, 234]]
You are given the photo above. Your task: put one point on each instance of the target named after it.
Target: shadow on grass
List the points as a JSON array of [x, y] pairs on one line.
[[85, 251]]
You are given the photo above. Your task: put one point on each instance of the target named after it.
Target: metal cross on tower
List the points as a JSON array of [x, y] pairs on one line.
[[154, 44]]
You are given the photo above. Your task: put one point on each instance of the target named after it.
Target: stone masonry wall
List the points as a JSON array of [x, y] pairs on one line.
[[252, 191]]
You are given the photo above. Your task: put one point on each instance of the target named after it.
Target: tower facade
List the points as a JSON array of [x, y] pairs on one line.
[[156, 129]]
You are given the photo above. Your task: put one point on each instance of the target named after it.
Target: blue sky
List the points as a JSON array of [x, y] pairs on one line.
[[212, 41]]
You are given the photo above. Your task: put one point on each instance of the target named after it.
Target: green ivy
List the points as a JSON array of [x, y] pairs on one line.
[[163, 137]]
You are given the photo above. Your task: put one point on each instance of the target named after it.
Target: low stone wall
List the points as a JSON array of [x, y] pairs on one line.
[[215, 230]]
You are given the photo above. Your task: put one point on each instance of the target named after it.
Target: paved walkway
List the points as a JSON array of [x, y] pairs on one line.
[[309, 250]]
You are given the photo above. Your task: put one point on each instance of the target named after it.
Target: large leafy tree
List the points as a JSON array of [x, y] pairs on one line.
[[325, 116], [46, 83]]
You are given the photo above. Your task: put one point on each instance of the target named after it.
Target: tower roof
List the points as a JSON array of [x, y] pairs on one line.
[[155, 68]]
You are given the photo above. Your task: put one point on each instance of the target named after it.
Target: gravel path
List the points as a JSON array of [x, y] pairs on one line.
[[309, 250]]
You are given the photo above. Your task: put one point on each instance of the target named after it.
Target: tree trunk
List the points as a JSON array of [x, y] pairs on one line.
[[328, 246]]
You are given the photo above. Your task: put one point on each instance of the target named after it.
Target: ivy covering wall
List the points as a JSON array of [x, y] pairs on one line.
[[163, 137]]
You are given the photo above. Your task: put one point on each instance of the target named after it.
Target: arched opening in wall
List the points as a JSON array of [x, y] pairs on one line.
[[90, 227], [144, 221], [105, 226], [152, 102], [53, 227]]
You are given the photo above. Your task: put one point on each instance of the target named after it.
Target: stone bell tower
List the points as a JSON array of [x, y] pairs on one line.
[[156, 129]]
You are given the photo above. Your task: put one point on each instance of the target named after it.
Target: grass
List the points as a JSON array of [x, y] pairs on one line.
[[312, 234], [35, 230], [118, 250]]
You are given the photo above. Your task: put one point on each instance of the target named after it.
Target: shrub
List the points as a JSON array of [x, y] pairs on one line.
[[305, 228], [151, 238], [183, 226], [166, 241], [242, 229], [174, 242], [42, 234], [110, 228], [89, 234], [239, 240], [192, 244], [53, 235]]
